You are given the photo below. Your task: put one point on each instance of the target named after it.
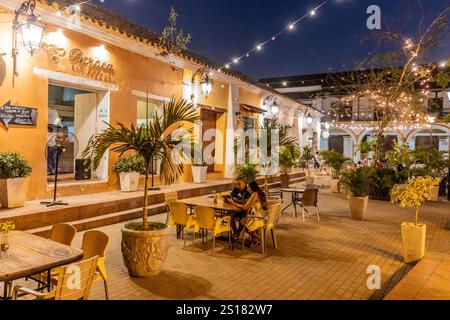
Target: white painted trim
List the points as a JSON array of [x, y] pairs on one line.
[[75, 80], [144, 95]]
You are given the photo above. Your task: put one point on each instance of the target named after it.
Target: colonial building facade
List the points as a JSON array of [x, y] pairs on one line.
[[94, 67], [348, 126]]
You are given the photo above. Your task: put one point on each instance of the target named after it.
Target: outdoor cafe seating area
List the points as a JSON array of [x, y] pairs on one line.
[[43, 266]]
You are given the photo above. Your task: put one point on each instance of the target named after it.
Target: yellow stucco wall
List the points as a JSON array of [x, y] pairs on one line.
[[132, 72]]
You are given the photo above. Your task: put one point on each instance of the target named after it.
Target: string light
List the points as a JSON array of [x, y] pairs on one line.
[[289, 27]]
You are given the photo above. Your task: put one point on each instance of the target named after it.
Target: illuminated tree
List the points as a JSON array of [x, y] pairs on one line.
[[397, 94]]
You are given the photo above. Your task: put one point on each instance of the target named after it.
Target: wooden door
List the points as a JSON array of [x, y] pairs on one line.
[[208, 119], [336, 143]]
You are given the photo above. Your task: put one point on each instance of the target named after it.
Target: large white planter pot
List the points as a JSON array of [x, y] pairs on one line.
[[334, 185], [13, 192], [413, 237], [199, 174], [144, 252], [434, 193], [129, 181], [358, 207]]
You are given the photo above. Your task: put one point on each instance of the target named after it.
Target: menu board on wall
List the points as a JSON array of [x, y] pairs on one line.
[[17, 115]]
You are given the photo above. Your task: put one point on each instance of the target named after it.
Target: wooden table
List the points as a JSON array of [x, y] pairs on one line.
[[295, 192], [208, 201], [29, 255]]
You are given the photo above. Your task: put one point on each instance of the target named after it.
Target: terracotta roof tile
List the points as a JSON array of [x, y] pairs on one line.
[[113, 21]]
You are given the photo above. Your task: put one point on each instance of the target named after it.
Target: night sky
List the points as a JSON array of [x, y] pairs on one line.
[[330, 41]]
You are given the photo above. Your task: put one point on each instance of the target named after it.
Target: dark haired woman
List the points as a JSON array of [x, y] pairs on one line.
[[256, 207]]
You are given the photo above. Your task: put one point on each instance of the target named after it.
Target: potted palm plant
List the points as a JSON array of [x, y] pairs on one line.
[[413, 195], [248, 171], [287, 161], [335, 160], [145, 244], [199, 166], [358, 183], [129, 170], [14, 173]]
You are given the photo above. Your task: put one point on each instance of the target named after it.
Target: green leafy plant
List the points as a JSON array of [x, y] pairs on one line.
[[433, 161], [366, 147], [335, 160], [248, 171], [129, 164], [13, 165], [383, 180], [151, 143], [287, 160], [357, 181]]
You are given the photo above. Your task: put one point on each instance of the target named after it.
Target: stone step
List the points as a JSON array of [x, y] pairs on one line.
[[104, 220], [94, 207]]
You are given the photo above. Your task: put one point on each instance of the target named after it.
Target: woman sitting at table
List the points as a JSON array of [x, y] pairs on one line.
[[256, 207]]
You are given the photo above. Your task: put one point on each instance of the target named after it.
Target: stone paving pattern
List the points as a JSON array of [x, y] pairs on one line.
[[315, 260]]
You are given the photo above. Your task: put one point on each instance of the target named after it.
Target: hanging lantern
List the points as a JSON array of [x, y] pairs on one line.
[[275, 108], [206, 85], [30, 29], [309, 120], [327, 125]]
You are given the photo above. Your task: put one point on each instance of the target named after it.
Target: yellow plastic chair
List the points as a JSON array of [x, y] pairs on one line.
[[94, 244], [66, 288], [206, 220], [178, 216], [168, 198], [63, 233], [269, 225]]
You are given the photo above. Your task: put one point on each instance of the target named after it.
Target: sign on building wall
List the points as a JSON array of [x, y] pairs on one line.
[[17, 115]]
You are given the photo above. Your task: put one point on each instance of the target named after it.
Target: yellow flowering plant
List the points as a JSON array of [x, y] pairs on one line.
[[6, 227], [414, 194]]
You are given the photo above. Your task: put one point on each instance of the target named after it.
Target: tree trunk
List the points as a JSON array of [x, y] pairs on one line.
[[145, 208], [417, 216]]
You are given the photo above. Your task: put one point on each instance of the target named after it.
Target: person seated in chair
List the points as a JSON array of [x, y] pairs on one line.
[[240, 195], [255, 208]]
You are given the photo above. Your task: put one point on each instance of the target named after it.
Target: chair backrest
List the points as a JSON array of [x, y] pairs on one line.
[[205, 217], [179, 212], [310, 197], [274, 215], [312, 186], [94, 244], [63, 233], [75, 280], [170, 196]]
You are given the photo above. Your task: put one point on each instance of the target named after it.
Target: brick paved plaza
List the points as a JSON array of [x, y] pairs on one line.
[[315, 260]]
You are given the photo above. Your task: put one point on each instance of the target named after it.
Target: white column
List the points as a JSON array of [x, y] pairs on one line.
[[233, 108]]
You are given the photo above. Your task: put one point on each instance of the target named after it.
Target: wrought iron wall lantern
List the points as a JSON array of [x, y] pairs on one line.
[[206, 83], [31, 30], [271, 101]]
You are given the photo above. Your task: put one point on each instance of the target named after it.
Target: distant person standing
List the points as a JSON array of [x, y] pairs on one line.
[[316, 158], [52, 149]]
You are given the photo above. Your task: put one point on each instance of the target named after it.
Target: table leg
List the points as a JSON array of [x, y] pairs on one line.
[[49, 279]]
